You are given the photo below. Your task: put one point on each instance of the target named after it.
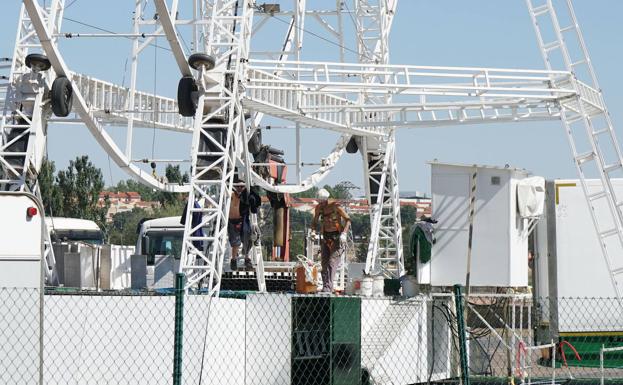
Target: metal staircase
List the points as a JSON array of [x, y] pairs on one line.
[[587, 124]]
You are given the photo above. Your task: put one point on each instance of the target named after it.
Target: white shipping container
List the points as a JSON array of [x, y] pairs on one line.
[[500, 236]]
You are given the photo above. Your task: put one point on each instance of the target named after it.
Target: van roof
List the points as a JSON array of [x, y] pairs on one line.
[[167, 222], [60, 223]]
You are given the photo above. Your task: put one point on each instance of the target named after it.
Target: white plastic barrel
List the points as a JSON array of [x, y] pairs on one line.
[[378, 286], [366, 286]]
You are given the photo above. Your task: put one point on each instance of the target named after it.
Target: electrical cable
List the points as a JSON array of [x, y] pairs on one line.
[[125, 71], [188, 50], [319, 36], [70, 4], [112, 182], [355, 25], [155, 109], [108, 31]]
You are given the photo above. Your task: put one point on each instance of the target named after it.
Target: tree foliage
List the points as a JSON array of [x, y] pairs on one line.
[[74, 192], [124, 226], [173, 175], [50, 192], [341, 190]]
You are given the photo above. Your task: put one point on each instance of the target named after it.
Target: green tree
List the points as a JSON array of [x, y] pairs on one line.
[[341, 190], [124, 226], [147, 193], [311, 193], [300, 221], [360, 225], [50, 193], [174, 175], [80, 186]]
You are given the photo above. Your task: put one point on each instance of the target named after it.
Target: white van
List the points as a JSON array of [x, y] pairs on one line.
[[74, 230], [161, 236]]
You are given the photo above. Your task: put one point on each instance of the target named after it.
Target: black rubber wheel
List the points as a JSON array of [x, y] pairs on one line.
[[351, 146], [198, 60], [186, 101], [62, 96], [38, 62]]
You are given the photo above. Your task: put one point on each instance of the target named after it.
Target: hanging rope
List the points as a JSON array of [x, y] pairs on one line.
[[154, 106]]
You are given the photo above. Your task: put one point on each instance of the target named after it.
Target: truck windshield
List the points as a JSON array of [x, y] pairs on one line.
[[164, 243], [87, 236]]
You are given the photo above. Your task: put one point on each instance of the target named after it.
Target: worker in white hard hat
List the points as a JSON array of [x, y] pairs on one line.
[[334, 225]]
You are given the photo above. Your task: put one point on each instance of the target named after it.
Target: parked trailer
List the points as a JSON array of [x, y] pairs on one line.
[[21, 277], [74, 230], [22, 246], [568, 265]]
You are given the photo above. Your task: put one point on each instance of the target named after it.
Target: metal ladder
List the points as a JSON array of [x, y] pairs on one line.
[[596, 128], [23, 126]]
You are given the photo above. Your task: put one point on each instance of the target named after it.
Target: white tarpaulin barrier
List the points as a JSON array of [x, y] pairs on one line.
[[531, 197]]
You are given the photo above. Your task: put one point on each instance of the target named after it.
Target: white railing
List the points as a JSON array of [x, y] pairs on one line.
[[329, 94], [109, 102]]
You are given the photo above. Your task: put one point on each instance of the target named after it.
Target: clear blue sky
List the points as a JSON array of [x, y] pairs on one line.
[[489, 33]]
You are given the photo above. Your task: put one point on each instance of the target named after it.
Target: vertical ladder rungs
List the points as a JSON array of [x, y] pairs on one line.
[[574, 118], [579, 62], [602, 131], [617, 271], [609, 233], [612, 167], [567, 28], [551, 46], [597, 195], [540, 10], [583, 158]]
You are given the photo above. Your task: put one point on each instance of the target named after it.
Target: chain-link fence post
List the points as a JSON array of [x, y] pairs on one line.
[[460, 319], [179, 325]]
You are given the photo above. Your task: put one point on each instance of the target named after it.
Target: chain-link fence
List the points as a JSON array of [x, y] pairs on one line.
[[254, 338]]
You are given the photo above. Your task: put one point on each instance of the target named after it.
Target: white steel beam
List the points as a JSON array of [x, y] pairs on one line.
[[84, 111], [169, 29]]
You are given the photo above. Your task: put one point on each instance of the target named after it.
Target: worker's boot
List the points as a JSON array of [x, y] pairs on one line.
[[233, 264], [248, 266]]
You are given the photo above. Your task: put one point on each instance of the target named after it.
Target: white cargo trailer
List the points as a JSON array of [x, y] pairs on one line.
[[21, 277], [569, 263], [500, 235], [22, 245]]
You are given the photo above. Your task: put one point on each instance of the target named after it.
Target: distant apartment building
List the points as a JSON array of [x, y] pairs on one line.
[[360, 205], [124, 201]]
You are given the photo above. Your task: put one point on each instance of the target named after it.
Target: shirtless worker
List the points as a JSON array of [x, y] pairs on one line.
[[334, 226], [238, 228]]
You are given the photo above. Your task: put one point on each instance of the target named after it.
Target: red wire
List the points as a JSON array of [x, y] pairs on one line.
[[562, 351], [522, 346]]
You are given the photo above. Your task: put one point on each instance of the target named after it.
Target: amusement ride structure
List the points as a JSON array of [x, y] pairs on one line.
[[226, 88]]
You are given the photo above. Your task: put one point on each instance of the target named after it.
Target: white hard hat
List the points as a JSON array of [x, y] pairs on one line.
[[323, 194]]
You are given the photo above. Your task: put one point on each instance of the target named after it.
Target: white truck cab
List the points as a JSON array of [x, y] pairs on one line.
[[74, 230], [161, 236]]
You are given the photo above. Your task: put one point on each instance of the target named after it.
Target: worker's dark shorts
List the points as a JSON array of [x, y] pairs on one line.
[[331, 245], [234, 232]]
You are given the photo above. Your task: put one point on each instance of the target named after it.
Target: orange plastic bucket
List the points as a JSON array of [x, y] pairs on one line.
[[302, 286]]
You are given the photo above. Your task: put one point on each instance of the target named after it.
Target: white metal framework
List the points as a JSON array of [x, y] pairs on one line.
[[366, 100], [25, 109]]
